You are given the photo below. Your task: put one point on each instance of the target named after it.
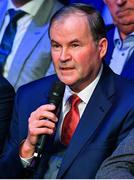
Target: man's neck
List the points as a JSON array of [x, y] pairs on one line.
[[19, 3], [125, 30], [123, 36]]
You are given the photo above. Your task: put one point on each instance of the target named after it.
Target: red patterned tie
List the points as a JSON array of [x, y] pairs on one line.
[[71, 120]]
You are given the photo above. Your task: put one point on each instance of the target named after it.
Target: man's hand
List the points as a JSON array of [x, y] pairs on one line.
[[41, 121]]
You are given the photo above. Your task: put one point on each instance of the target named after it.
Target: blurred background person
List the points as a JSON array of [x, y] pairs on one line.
[[120, 165], [24, 43], [6, 105], [120, 55]]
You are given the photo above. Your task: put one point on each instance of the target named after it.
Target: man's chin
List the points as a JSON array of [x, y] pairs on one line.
[[67, 81], [126, 29]]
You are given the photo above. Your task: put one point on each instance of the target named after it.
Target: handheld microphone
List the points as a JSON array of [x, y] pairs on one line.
[[55, 97]]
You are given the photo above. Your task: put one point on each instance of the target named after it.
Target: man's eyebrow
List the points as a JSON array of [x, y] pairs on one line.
[[70, 42], [74, 41], [53, 41]]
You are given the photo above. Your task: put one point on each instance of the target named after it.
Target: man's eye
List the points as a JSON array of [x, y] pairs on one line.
[[55, 46], [75, 45]]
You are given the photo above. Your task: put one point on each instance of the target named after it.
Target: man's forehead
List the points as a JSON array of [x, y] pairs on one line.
[[65, 16], [70, 26]]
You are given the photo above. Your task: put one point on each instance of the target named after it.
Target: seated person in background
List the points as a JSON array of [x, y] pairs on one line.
[[120, 55], [6, 105], [120, 165], [29, 56], [97, 109]]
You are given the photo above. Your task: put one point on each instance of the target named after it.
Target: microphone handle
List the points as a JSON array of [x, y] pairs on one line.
[[40, 145], [55, 97]]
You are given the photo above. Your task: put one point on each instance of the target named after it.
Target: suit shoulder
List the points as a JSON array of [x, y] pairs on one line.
[[120, 81], [38, 85], [124, 87]]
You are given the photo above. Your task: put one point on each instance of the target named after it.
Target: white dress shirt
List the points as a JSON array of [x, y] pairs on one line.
[[31, 9]]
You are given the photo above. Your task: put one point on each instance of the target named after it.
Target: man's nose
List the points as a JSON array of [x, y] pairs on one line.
[[65, 55], [121, 2]]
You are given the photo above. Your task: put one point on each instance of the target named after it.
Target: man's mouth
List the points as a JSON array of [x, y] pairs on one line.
[[66, 68], [122, 13]]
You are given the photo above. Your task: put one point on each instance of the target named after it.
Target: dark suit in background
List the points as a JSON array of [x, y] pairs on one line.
[[106, 121], [6, 106]]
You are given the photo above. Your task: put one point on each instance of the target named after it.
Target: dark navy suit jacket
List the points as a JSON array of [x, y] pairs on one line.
[[6, 105], [106, 121], [128, 70]]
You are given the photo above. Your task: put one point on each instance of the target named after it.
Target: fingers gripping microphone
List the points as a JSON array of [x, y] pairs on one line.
[[55, 98]]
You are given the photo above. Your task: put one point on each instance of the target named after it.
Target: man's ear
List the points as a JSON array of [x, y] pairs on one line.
[[102, 45]]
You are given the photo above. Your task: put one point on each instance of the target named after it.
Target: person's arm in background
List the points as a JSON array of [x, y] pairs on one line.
[[6, 105], [120, 165]]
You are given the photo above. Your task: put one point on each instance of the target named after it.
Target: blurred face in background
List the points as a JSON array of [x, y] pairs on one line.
[[122, 12]]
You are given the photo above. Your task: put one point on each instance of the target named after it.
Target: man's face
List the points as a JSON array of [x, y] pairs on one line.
[[122, 12], [76, 57]]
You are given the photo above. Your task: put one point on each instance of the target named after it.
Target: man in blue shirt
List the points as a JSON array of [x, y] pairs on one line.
[[120, 55]]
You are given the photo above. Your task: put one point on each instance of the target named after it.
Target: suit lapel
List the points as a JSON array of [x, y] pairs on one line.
[[30, 40], [93, 116], [128, 70]]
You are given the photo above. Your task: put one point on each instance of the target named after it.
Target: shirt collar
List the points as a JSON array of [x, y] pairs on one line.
[[86, 93], [30, 8], [117, 35]]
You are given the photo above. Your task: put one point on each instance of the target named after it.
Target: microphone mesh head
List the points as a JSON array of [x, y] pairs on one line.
[[57, 93]]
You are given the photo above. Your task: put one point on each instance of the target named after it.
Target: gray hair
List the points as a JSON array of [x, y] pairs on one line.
[[95, 20]]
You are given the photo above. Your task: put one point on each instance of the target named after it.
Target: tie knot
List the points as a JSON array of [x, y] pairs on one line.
[[74, 100], [15, 15]]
